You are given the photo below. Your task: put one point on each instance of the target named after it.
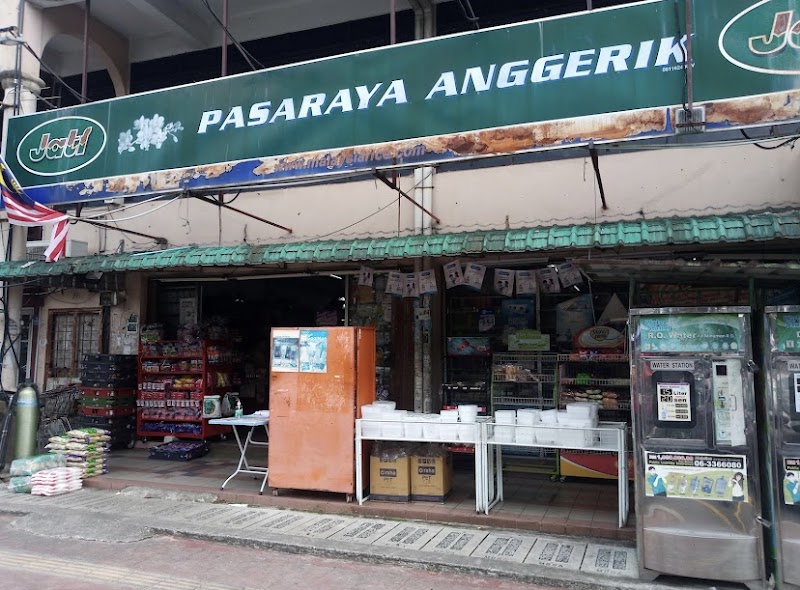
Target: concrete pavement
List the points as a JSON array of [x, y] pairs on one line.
[[134, 515]]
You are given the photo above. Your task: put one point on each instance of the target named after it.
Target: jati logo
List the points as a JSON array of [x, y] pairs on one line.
[[56, 148], [785, 33], [764, 38]]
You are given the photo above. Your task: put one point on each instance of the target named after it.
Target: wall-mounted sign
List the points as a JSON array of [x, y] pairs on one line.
[[691, 333], [502, 90]]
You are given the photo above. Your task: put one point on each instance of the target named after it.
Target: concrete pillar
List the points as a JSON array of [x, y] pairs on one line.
[[21, 92]]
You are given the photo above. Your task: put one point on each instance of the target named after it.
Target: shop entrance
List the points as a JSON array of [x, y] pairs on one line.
[[242, 312]]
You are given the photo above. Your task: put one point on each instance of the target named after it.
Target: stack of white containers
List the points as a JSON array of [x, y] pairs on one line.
[[448, 429], [380, 419], [549, 433], [468, 416], [527, 417], [577, 422], [505, 424]]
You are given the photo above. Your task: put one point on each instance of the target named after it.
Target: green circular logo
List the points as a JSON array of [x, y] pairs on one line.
[[764, 38], [61, 146]]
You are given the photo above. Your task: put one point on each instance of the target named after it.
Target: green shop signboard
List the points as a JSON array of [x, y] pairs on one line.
[[787, 332], [715, 333], [605, 75]]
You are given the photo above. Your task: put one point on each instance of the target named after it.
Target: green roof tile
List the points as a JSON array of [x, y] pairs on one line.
[[758, 227]]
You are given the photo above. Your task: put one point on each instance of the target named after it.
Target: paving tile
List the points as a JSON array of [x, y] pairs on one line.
[[505, 547], [409, 536], [610, 560], [321, 528], [204, 514], [557, 553], [282, 521], [245, 518], [455, 541], [365, 531]]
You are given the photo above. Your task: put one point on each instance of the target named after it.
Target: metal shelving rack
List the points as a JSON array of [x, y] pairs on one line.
[[610, 375], [526, 380]]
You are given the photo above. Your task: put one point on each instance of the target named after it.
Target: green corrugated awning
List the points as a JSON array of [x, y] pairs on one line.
[[754, 227]]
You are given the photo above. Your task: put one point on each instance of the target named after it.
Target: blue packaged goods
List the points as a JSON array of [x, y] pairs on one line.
[[180, 450]]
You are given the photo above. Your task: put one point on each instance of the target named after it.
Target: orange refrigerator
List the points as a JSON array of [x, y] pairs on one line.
[[319, 379]]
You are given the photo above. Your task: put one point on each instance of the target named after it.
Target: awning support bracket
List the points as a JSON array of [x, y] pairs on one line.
[[157, 239], [382, 177], [596, 166], [240, 212]]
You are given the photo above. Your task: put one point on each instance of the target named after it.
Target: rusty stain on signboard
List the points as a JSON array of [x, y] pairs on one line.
[[770, 108], [654, 122]]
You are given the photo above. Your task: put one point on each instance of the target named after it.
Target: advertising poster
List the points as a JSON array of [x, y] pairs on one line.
[[468, 346], [504, 281], [573, 317], [427, 282], [394, 284], [692, 333], [313, 351], [526, 282], [548, 280], [673, 402], [791, 480], [721, 478], [285, 351], [569, 275], [473, 276], [410, 285], [518, 313], [486, 320], [366, 276], [453, 276], [787, 332]]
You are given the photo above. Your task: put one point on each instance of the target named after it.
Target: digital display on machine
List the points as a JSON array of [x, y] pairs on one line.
[[674, 402], [796, 381]]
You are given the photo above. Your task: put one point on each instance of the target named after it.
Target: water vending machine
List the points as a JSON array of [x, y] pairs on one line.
[[782, 367], [695, 443]]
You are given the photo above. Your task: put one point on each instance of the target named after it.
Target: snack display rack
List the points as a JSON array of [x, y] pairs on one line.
[[174, 378], [604, 379], [526, 380]]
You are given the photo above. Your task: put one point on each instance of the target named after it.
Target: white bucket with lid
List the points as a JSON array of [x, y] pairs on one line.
[[505, 416], [467, 413]]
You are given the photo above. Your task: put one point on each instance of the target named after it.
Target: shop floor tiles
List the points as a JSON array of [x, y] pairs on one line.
[[533, 503]]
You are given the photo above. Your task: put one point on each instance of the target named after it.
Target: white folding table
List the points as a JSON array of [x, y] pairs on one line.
[[252, 421]]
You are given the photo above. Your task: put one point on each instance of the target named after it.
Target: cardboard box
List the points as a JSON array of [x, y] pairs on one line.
[[431, 478], [390, 479]]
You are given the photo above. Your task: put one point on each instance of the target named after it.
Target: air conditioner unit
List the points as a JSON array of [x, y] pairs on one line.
[[35, 249]]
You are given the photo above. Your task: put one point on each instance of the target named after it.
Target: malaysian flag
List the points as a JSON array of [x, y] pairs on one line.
[[22, 210]]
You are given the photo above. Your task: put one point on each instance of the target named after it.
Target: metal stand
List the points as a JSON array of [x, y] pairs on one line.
[[244, 466], [609, 437], [480, 497]]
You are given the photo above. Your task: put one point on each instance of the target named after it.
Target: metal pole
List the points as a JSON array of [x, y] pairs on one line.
[[392, 22], [689, 77], [85, 73], [225, 38]]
